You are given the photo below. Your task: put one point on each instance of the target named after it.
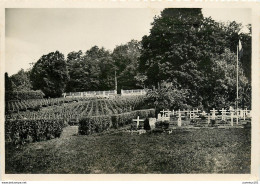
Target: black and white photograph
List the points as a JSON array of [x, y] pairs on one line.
[[128, 90]]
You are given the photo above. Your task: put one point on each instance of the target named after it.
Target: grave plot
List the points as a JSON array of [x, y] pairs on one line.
[[199, 118]]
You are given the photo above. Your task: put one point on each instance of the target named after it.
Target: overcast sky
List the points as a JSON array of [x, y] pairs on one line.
[[31, 33]]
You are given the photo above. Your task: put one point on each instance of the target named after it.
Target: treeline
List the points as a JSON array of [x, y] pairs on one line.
[[92, 70], [184, 51]]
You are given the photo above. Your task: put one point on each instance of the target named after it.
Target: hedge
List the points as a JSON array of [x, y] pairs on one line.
[[89, 125], [21, 131], [23, 95]]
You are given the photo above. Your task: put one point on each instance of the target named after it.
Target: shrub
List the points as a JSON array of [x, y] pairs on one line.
[[89, 125], [162, 124], [146, 124], [194, 121], [21, 131], [23, 95]]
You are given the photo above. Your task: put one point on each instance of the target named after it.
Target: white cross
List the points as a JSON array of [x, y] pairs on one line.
[[223, 114], [163, 111], [167, 113], [241, 113], [179, 117], [203, 113], [138, 121], [213, 113]]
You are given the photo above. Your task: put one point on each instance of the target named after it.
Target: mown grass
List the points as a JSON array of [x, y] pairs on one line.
[[183, 151]]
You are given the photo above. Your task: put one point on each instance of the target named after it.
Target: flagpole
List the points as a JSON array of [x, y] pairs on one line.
[[237, 86]]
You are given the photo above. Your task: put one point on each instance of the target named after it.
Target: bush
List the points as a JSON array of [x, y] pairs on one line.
[[146, 124], [162, 124], [92, 124], [21, 131], [23, 95], [89, 125]]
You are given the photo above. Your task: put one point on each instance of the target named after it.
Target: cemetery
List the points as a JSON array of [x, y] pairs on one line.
[[99, 127], [196, 119], [177, 101]]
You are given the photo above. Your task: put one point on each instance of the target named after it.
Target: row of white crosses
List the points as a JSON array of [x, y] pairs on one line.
[[240, 113], [192, 114]]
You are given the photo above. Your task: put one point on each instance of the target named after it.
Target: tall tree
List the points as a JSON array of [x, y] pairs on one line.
[[91, 71], [8, 83], [184, 48], [21, 81], [50, 74], [126, 61]]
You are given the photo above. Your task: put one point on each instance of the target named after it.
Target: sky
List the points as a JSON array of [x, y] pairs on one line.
[[31, 33]]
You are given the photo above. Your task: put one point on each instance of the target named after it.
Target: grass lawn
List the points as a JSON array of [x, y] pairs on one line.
[[183, 151]]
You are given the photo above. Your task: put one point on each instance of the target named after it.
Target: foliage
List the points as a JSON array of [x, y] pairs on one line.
[[119, 120], [184, 48], [162, 124], [89, 125], [21, 131], [126, 59], [146, 124], [23, 95], [21, 81], [168, 97], [92, 124], [8, 83], [90, 71], [50, 74]]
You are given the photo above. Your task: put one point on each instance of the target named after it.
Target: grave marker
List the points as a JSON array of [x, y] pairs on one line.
[[152, 122], [159, 117], [203, 113], [223, 114], [179, 117], [138, 121], [165, 118], [163, 111], [213, 113]]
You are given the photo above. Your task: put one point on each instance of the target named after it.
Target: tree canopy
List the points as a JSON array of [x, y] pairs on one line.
[[193, 53], [50, 74]]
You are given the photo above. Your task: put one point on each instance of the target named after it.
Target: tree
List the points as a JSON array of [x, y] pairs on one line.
[[91, 71], [184, 48], [126, 61], [168, 97], [21, 81], [245, 58], [75, 70], [50, 74], [8, 83]]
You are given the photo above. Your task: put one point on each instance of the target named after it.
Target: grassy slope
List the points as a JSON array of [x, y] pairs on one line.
[[184, 151]]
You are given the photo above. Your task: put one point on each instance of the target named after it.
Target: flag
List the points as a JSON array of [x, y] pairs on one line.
[[240, 49]]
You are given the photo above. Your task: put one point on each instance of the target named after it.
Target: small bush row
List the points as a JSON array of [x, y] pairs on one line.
[[21, 131], [23, 95], [89, 125]]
